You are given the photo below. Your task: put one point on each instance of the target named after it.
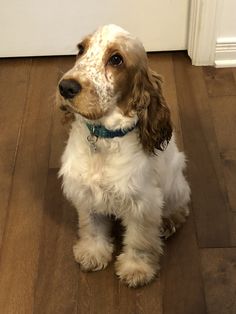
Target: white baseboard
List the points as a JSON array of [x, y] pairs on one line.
[[225, 55]]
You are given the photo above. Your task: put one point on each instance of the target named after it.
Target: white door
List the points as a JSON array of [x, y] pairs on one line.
[[54, 27]]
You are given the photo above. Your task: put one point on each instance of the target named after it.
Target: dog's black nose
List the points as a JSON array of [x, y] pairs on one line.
[[69, 88]]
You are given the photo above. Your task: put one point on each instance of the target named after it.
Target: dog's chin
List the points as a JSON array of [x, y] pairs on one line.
[[68, 107], [76, 107], [87, 115], [91, 116]]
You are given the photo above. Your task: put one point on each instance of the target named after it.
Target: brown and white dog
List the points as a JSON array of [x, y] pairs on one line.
[[121, 158]]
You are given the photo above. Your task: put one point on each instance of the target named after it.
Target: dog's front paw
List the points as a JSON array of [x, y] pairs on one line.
[[93, 254], [134, 270]]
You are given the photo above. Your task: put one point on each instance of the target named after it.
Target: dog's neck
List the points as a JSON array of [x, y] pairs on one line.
[[113, 124], [113, 120], [108, 133]]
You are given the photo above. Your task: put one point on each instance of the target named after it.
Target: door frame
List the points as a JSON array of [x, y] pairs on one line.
[[202, 37], [203, 45]]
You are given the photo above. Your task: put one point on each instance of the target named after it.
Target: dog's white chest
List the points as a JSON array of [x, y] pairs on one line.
[[94, 172], [108, 178]]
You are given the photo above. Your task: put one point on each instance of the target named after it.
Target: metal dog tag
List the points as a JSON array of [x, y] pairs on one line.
[[92, 139]]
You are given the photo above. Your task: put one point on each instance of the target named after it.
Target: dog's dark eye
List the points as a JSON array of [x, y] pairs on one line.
[[115, 60], [81, 49]]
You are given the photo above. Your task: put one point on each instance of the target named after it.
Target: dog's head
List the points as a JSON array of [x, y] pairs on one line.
[[111, 76]]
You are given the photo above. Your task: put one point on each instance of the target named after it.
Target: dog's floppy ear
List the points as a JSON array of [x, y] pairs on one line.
[[154, 123]]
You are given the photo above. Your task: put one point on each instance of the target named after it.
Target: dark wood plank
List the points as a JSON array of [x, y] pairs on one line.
[[220, 82], [98, 292], [14, 76], [232, 216], [20, 249], [219, 274], [181, 274], [102, 292], [209, 203], [57, 279], [234, 73], [150, 298], [59, 131], [224, 114]]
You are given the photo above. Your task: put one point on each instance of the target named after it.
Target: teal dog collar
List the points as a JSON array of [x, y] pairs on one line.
[[101, 131]]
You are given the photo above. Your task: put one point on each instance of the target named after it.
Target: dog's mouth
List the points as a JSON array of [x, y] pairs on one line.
[[68, 108]]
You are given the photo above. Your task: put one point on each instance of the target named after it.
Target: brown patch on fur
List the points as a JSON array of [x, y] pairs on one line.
[[114, 48], [86, 103], [145, 97], [134, 57], [85, 43], [123, 87], [139, 89], [155, 127], [68, 117]]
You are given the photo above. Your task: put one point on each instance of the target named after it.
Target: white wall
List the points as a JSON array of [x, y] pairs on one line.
[[54, 27], [226, 35], [227, 25]]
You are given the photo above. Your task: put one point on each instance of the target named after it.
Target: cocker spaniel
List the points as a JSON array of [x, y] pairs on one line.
[[121, 158]]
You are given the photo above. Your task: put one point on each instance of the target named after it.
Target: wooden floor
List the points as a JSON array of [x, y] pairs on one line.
[[38, 227]]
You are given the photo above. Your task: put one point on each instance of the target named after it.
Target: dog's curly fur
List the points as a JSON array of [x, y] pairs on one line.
[[138, 177]]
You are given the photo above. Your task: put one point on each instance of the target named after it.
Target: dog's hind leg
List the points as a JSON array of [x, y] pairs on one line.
[[176, 198]]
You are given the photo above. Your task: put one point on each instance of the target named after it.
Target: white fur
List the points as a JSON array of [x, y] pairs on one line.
[[120, 179], [120, 170]]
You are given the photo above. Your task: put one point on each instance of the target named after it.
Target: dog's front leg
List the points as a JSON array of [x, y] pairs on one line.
[[139, 262], [94, 248]]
